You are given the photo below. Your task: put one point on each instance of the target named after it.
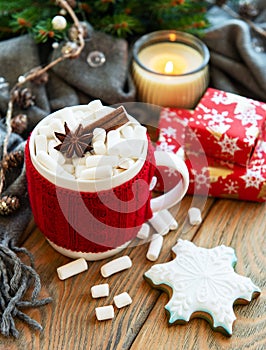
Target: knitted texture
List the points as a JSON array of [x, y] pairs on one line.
[[91, 222], [16, 275]]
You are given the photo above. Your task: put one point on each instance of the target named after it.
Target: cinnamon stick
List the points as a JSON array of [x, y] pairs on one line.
[[110, 121]]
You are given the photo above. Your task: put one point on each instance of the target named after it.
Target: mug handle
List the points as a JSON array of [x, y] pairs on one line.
[[175, 195]]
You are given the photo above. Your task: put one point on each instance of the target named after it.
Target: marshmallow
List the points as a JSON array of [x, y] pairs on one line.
[[100, 290], [122, 300], [159, 224], [113, 138], [126, 148], [117, 171], [78, 161], [99, 134], [40, 143], [79, 169], [194, 216], [47, 161], [99, 147], [72, 268], [61, 172], [79, 115], [57, 126], [100, 172], [127, 132], [105, 312], [46, 130], [68, 116], [98, 160], [169, 219], [125, 163], [95, 105], [56, 155], [144, 231], [69, 168], [140, 132], [116, 265], [155, 247]]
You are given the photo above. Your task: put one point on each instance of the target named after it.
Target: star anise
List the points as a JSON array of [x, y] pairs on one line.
[[77, 142]]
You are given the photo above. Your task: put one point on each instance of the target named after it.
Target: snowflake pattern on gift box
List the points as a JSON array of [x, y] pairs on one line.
[[218, 122], [202, 283], [251, 135], [249, 116], [201, 179], [253, 178], [229, 145], [231, 187]]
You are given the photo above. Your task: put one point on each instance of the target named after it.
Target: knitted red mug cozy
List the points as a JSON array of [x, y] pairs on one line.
[[96, 219]]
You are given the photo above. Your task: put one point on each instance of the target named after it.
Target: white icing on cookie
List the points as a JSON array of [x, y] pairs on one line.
[[202, 280]]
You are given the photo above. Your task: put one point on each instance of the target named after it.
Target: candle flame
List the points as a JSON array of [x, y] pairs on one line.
[[169, 67]]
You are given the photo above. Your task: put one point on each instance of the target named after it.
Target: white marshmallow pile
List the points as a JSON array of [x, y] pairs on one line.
[[112, 153]]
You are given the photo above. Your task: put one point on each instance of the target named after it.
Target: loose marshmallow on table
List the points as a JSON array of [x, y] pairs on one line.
[[194, 216], [105, 312], [155, 247], [144, 231], [169, 219], [116, 265], [122, 300], [159, 224], [73, 268], [100, 290]]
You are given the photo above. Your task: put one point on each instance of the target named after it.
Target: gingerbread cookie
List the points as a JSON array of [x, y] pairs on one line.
[[202, 283]]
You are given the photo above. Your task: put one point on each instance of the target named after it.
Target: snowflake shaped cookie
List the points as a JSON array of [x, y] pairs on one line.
[[202, 283]]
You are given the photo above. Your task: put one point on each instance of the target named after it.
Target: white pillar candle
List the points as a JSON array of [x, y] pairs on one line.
[[170, 69]]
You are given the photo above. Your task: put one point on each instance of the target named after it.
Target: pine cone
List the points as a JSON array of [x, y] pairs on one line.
[[248, 10], [23, 97], [19, 123], [8, 204], [12, 160]]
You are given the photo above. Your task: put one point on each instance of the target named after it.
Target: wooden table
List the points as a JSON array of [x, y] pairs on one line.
[[69, 322]]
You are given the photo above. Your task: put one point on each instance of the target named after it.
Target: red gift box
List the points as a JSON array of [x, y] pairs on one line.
[[228, 125], [210, 176]]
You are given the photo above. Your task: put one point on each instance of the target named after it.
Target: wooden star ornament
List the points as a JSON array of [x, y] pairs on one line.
[[202, 283]]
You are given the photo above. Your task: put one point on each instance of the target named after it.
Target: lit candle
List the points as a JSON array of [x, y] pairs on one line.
[[170, 69]]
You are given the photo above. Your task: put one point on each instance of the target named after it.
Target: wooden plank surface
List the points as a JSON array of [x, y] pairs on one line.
[[69, 322]]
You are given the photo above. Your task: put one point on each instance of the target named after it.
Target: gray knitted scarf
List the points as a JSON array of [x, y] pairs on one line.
[[16, 276]]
